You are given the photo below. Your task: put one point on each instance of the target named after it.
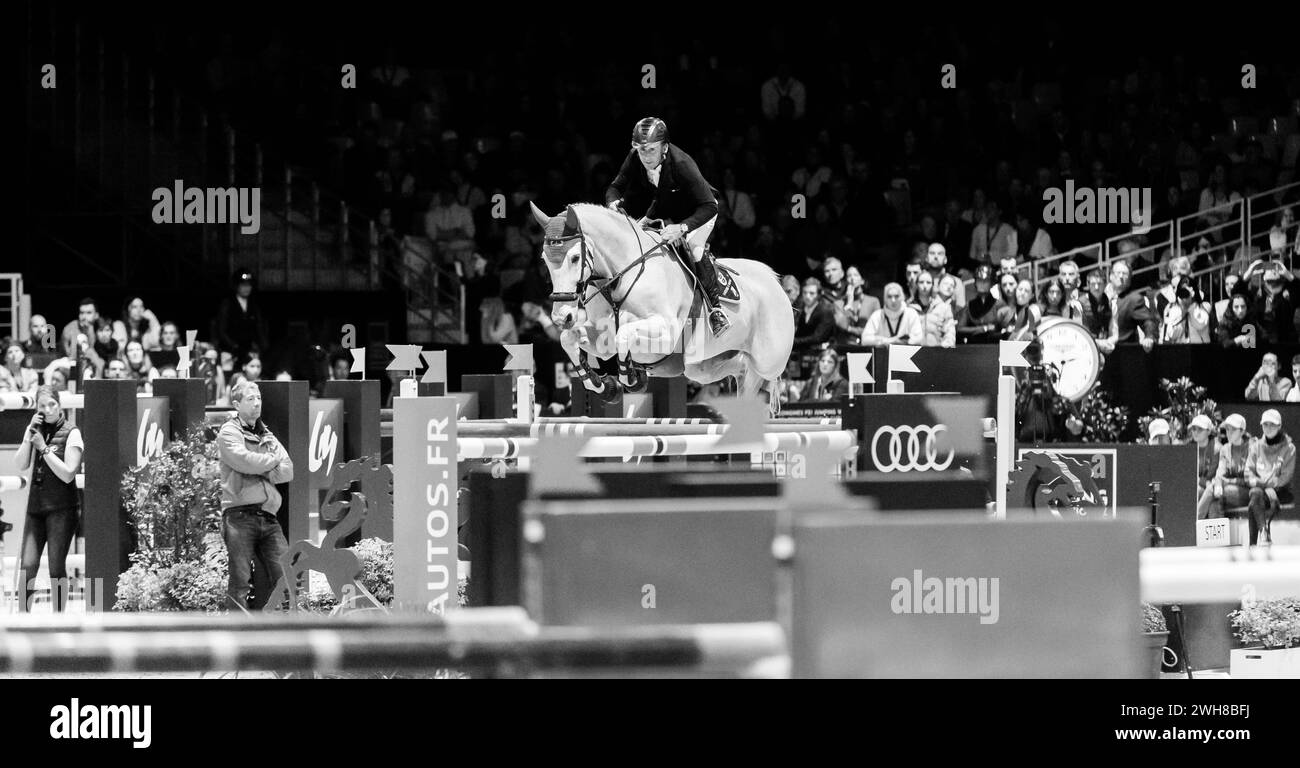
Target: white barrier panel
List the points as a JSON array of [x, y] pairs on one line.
[[662, 445], [18, 482], [1219, 574]]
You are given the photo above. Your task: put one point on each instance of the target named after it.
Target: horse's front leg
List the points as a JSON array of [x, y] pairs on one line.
[[577, 345]]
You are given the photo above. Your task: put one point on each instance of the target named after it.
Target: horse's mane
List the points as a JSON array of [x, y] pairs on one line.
[[611, 223]]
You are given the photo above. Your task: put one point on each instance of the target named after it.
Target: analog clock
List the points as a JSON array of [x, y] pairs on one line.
[[1070, 356]]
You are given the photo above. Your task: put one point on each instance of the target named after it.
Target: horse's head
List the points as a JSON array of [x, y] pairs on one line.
[[568, 259]]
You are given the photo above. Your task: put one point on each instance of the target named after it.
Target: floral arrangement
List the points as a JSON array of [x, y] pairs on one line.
[[174, 500], [1185, 400], [1152, 619], [1094, 419], [1272, 623]]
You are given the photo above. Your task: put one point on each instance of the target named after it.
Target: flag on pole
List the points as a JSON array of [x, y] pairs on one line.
[[190, 338], [519, 357], [900, 358], [359, 361], [406, 357], [436, 373], [183, 361], [860, 368], [1012, 354]]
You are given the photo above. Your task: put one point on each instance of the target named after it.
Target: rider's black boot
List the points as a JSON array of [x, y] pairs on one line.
[[707, 272]]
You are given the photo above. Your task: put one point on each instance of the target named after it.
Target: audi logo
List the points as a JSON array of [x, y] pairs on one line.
[[907, 453]]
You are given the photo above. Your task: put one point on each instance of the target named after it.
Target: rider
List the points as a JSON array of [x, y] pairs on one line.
[[659, 180]]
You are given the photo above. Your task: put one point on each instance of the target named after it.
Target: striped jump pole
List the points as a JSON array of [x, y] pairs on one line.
[[645, 445], [26, 401], [19, 482], [1218, 574], [631, 429]]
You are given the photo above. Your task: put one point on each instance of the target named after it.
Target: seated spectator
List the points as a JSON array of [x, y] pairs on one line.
[[1134, 319], [913, 271], [1032, 241], [57, 378], [14, 375], [1239, 328], [981, 318], [116, 369], [827, 384], [1096, 306], [84, 325], [994, 239], [1275, 309], [833, 280], [1187, 321], [1230, 282], [105, 347], [252, 371], [939, 320], [1008, 267], [208, 368], [894, 323], [1266, 385], [1180, 267], [1053, 302], [1158, 433], [1068, 274], [791, 285], [137, 324], [858, 306], [1025, 315], [167, 372], [41, 336], [340, 365], [1229, 487], [167, 354], [1293, 396], [1207, 451], [923, 293], [139, 366], [283, 375], [537, 326], [936, 263], [815, 320], [498, 325], [1217, 202], [448, 221], [1270, 464]]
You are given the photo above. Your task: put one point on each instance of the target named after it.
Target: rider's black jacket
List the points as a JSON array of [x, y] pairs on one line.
[[682, 197]]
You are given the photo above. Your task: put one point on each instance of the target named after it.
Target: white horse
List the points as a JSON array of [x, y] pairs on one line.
[[619, 291]]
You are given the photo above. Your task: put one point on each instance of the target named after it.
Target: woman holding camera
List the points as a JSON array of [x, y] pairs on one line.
[[53, 448]]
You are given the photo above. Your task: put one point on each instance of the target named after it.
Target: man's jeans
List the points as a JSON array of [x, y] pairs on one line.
[[250, 533]]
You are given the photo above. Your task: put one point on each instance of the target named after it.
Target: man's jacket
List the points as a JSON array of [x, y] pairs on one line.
[[682, 197], [252, 463]]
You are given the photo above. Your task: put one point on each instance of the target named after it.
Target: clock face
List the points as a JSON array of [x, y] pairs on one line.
[[1071, 357]]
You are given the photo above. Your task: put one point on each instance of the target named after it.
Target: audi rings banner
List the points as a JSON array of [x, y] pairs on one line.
[[918, 433]]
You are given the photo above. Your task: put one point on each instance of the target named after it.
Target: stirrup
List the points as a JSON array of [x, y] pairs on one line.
[[718, 321]]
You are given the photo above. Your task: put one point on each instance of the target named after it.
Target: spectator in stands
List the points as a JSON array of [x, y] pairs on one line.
[[1266, 385], [1096, 305], [1229, 487], [251, 372], [56, 379], [167, 354], [936, 262], [169, 372], [938, 318], [340, 365], [14, 375], [1179, 268], [834, 284], [1207, 452], [116, 369], [924, 291], [105, 347], [1005, 290], [1025, 315], [241, 326], [41, 336], [1053, 303], [448, 221], [858, 307], [977, 213], [537, 326], [894, 323], [981, 318], [1158, 432], [1134, 319], [827, 384], [1270, 465], [84, 325], [1187, 320], [498, 325], [1217, 202], [815, 323], [137, 324], [812, 176], [208, 368], [1293, 395], [913, 271], [783, 97], [1238, 329], [1032, 241], [1275, 309], [1222, 306], [994, 239], [791, 285], [1068, 273], [138, 365], [53, 448]]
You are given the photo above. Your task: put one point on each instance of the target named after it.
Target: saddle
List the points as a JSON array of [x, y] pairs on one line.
[[730, 288]]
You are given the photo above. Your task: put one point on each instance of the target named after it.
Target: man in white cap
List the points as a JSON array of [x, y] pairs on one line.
[[1269, 468], [1207, 454], [1158, 432], [1228, 488]]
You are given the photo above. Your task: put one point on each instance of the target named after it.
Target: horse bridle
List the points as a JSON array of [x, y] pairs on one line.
[[579, 294], [580, 289]]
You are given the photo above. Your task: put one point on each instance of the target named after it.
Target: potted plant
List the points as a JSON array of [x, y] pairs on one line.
[[1275, 626], [1154, 637]]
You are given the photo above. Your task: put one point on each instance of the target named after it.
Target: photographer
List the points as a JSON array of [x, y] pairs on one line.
[[1266, 385], [52, 504]]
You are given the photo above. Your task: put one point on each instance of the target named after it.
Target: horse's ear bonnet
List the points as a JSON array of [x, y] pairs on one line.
[[560, 230]]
